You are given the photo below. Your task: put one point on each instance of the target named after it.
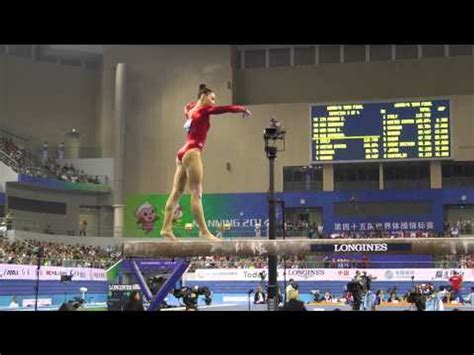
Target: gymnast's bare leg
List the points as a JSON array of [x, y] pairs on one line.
[[193, 165], [179, 185]]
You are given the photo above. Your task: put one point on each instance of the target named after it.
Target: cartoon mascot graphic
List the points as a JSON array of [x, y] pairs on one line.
[[146, 217], [177, 214]]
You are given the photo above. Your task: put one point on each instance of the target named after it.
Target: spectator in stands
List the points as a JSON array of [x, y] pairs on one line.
[[57, 254], [327, 297], [320, 230], [44, 152], [454, 231], [379, 297], [14, 303], [82, 228], [61, 149], [9, 217]]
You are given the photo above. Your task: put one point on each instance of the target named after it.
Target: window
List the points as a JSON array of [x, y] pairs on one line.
[[356, 176], [329, 54], [303, 178], [304, 56], [72, 62], [354, 54], [237, 60], [432, 51], [405, 51], [92, 64], [279, 57], [460, 49], [380, 53], [406, 175], [255, 58], [458, 173], [24, 204]]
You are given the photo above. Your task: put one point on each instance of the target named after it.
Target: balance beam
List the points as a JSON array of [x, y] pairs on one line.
[[300, 247]]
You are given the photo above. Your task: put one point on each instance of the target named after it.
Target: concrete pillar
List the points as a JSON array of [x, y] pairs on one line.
[[328, 177], [118, 220], [72, 145], [119, 146], [436, 176]]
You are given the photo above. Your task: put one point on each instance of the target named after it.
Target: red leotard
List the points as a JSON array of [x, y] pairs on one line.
[[196, 137]]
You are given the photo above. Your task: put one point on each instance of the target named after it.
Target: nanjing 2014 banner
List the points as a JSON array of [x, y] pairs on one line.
[[236, 214]]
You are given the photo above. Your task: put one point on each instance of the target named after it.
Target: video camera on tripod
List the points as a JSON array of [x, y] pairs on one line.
[[190, 296], [419, 295]]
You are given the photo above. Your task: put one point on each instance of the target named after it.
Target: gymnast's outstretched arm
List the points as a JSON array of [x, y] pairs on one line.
[[217, 110]]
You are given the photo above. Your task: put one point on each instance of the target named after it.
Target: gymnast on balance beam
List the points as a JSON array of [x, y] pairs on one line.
[[188, 162]]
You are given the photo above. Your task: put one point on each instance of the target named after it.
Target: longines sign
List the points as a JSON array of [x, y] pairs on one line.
[[360, 247]]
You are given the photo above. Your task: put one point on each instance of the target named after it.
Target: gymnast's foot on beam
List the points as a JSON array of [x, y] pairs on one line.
[[209, 236], [168, 234]]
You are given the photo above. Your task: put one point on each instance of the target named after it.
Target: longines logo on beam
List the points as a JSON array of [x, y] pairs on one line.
[[376, 247]]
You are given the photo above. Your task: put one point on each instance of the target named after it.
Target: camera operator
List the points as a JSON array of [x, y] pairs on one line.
[[418, 296], [356, 288], [190, 296], [367, 281]]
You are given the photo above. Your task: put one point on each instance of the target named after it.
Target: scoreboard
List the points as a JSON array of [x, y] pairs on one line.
[[381, 131]]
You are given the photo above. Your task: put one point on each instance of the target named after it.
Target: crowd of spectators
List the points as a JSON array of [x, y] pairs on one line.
[[68, 172], [57, 254], [458, 261], [461, 226], [22, 161], [236, 262], [19, 159]]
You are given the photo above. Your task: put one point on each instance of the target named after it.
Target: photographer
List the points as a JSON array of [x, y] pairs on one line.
[[418, 296]]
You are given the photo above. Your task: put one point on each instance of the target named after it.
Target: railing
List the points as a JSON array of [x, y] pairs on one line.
[[81, 152], [63, 185]]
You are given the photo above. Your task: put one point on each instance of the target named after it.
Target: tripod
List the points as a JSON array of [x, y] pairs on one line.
[[249, 293], [39, 256]]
